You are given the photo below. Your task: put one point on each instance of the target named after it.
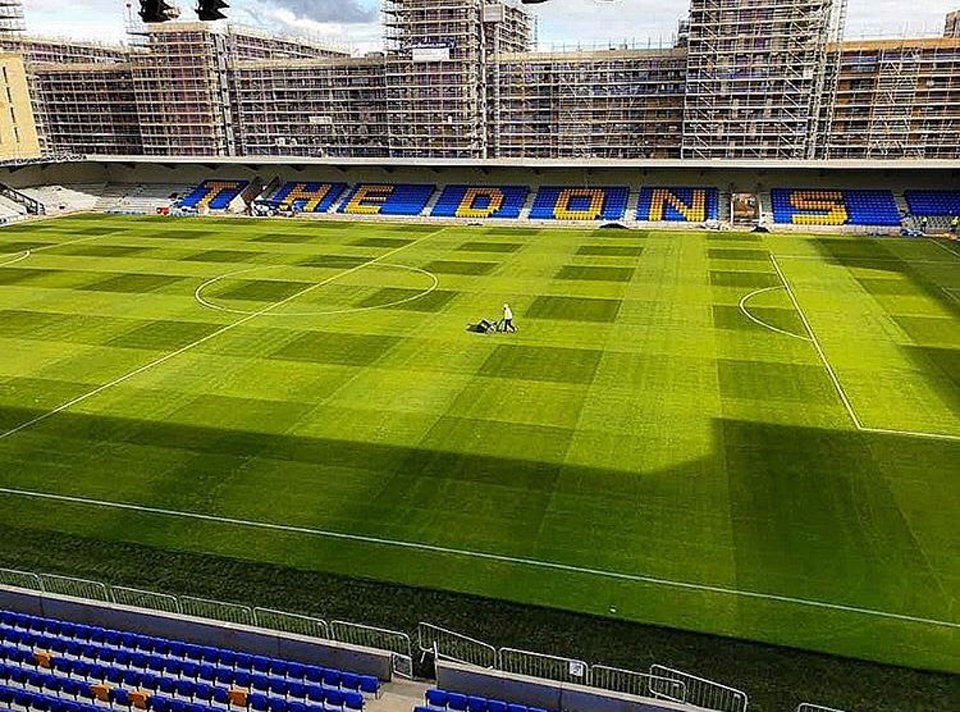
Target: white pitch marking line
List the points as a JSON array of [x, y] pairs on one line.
[[836, 381], [198, 294], [818, 347], [28, 253], [760, 322], [487, 556], [229, 327], [23, 255], [945, 248]]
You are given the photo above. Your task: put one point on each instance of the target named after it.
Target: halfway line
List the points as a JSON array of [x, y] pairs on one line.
[[486, 556]]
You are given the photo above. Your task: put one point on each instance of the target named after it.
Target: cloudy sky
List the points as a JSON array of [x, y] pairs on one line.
[[355, 22]]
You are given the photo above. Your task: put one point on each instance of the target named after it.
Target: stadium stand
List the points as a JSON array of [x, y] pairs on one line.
[[869, 208], [565, 203], [142, 198], [933, 203], [213, 194], [487, 201], [52, 665], [685, 205], [308, 197], [67, 198], [387, 199], [11, 211], [437, 699]]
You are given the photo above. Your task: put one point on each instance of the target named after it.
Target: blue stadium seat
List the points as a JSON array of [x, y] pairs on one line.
[[476, 704], [120, 696], [353, 700], [315, 693], [334, 698], [456, 702]]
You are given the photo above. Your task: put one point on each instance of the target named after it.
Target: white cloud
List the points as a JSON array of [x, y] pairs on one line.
[[570, 22]]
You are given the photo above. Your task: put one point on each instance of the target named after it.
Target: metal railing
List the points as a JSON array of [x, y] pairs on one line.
[[548, 667], [145, 599], [448, 645], [32, 205], [639, 684], [700, 691], [216, 610], [291, 623], [810, 707], [367, 636]]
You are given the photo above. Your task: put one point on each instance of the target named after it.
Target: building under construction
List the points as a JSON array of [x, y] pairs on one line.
[[757, 79]]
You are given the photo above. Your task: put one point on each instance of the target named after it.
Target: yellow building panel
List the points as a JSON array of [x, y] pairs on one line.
[[18, 130]]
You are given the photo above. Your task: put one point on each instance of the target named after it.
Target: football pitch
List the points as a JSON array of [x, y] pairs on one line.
[[749, 435]]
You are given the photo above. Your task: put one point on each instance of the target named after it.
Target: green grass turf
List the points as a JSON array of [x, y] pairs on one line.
[[640, 430]]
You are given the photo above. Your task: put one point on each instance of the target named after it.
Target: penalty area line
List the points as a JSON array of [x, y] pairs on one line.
[[480, 555], [816, 344], [858, 424]]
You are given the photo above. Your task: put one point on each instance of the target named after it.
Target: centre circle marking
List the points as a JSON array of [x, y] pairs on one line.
[[198, 294]]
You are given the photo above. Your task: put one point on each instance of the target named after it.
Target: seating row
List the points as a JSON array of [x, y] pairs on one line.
[[693, 205], [608, 203], [438, 699], [933, 203], [96, 643], [213, 194], [63, 699], [835, 207], [94, 681]]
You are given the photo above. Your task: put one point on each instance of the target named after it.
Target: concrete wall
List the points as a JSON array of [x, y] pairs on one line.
[[723, 176], [550, 695], [203, 632]]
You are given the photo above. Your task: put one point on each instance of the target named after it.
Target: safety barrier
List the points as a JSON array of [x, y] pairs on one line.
[[448, 645], [640, 684], [291, 623], [145, 599], [700, 691], [548, 667], [78, 588], [809, 707], [380, 638], [216, 610]]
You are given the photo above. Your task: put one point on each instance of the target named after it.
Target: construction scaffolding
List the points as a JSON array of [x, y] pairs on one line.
[[756, 74], [96, 114], [310, 107], [608, 104], [763, 79], [896, 99], [434, 77]]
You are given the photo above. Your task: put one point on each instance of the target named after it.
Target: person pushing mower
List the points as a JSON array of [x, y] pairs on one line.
[[507, 323]]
